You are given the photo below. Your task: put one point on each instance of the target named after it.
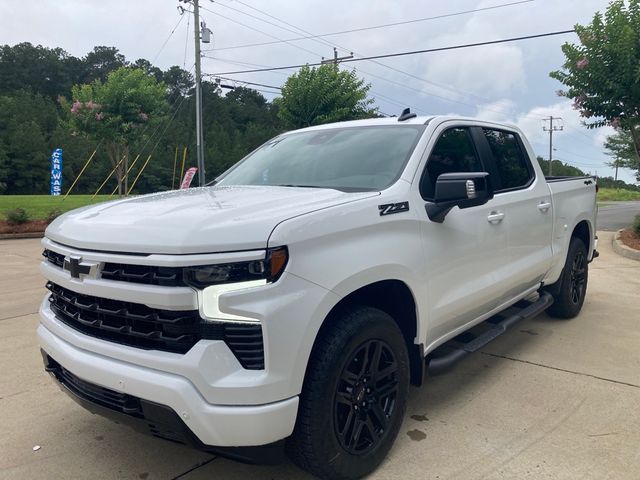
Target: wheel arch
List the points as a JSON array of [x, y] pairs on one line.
[[395, 298], [583, 231]]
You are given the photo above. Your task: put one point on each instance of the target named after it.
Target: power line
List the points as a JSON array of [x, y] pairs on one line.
[[242, 81], [259, 31], [324, 42], [167, 40], [411, 52], [361, 29]]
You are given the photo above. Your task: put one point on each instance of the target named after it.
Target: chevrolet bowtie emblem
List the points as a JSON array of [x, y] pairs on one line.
[[75, 267]]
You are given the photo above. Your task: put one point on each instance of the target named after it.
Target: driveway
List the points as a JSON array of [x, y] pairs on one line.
[[612, 216], [550, 399]]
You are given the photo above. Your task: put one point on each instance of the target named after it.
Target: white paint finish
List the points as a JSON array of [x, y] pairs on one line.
[[196, 220], [291, 312], [213, 424], [479, 261]]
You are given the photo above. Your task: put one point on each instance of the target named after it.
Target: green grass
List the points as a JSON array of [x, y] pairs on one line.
[[39, 206], [617, 195]]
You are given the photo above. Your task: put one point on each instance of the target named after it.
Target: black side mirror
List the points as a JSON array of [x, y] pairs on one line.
[[463, 190]]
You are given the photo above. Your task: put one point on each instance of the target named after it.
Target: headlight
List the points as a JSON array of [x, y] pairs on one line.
[[268, 269]]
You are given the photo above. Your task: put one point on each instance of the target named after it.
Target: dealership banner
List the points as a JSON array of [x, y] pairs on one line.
[[188, 177], [56, 172]]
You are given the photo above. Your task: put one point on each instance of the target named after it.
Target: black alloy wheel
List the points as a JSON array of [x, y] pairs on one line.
[[570, 290], [354, 395], [578, 277], [366, 396]]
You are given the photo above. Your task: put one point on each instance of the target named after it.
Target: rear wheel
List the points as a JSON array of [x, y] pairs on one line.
[[354, 396], [570, 291]]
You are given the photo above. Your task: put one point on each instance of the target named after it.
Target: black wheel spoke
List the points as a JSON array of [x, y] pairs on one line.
[[365, 398], [387, 389], [385, 372], [356, 433], [349, 378], [380, 417], [375, 351], [344, 398]]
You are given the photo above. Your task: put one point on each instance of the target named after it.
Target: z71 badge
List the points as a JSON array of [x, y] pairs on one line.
[[390, 208]]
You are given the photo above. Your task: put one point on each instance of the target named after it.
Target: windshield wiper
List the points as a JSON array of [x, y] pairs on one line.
[[302, 186]]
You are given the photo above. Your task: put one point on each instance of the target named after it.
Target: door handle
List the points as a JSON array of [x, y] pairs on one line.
[[544, 206], [495, 217]]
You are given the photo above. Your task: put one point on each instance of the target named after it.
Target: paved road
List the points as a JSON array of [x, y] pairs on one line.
[[549, 399], [612, 216]]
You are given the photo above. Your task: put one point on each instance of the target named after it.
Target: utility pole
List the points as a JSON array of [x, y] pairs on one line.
[[335, 60], [199, 133], [551, 129]]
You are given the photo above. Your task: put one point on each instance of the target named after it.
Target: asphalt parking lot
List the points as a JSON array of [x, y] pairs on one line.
[[550, 399]]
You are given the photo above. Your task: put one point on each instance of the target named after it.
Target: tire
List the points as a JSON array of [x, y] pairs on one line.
[[570, 290], [339, 398]]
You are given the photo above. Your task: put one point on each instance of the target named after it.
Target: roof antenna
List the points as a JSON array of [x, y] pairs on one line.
[[406, 115]]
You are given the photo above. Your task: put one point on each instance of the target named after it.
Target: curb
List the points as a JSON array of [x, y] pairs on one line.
[[17, 236], [621, 249]]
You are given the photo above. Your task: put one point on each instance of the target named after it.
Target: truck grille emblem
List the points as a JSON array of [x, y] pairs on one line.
[[75, 267]]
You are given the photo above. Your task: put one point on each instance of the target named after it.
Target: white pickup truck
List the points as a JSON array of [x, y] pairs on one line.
[[289, 306]]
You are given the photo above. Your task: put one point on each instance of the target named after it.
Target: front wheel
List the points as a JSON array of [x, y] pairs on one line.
[[570, 291], [354, 396]]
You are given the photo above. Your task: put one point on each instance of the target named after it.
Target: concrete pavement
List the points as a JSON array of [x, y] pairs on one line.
[[550, 399], [613, 216]]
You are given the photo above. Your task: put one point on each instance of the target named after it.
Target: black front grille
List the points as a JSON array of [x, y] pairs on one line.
[[129, 323], [245, 341], [120, 402], [54, 257], [140, 326], [149, 275]]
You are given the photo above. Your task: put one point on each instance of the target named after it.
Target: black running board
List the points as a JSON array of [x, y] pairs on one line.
[[439, 364]]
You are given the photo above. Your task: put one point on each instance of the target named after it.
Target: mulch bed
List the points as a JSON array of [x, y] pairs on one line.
[[630, 239], [34, 226]]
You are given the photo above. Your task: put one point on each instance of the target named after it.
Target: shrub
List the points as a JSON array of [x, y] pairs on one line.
[[53, 214], [17, 216], [635, 226]]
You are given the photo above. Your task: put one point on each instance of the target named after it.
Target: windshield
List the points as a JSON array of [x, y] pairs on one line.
[[349, 159]]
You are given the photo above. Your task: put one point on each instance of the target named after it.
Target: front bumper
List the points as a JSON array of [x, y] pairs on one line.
[[212, 425]]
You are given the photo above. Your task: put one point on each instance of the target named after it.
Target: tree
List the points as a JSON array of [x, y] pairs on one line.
[[179, 82], [601, 73], [39, 69], [114, 112], [621, 148], [559, 168], [324, 94], [100, 62]]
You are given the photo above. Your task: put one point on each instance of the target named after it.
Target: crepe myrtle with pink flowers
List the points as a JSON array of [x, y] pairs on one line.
[[600, 73], [113, 113]]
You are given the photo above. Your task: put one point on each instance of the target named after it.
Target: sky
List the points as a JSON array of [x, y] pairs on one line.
[[505, 82]]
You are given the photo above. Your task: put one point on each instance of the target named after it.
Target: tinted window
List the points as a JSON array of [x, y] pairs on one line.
[[354, 158], [454, 152], [511, 164]]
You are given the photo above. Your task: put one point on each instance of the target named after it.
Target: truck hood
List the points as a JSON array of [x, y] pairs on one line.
[[196, 220]]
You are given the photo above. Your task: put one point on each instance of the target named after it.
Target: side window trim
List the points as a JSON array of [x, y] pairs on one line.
[[491, 163], [486, 157], [469, 129]]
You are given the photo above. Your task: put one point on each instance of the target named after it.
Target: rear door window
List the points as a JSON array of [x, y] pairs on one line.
[[511, 164]]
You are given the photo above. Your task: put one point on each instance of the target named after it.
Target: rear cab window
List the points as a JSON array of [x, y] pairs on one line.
[[512, 166]]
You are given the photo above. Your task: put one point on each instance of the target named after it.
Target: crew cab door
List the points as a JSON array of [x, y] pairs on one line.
[[525, 199], [464, 253]]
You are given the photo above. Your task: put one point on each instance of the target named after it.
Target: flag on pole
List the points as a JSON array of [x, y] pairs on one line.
[[188, 177], [56, 172]]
